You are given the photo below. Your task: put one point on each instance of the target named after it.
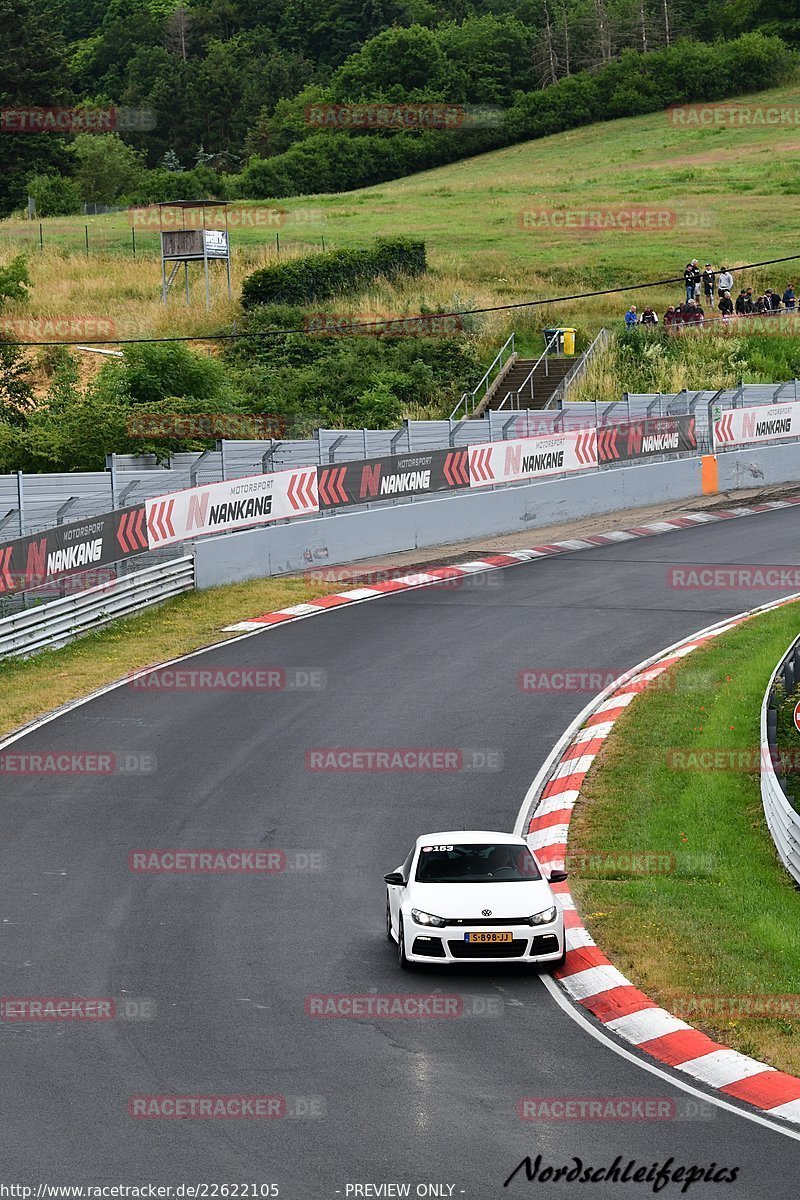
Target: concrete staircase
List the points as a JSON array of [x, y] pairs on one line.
[[540, 387]]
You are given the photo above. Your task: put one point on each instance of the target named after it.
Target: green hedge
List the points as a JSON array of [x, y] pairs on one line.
[[318, 276]]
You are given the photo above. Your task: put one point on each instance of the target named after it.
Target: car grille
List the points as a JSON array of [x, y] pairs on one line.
[[481, 921], [513, 949]]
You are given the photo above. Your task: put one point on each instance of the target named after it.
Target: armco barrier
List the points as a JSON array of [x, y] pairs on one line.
[[782, 818], [55, 623]]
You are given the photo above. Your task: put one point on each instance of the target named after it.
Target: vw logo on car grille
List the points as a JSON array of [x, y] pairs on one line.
[[486, 912]]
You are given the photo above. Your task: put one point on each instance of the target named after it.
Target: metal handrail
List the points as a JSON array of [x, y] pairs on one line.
[[470, 396], [578, 369], [529, 376]]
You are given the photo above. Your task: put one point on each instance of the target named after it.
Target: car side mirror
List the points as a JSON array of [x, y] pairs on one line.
[[394, 877], [558, 876]]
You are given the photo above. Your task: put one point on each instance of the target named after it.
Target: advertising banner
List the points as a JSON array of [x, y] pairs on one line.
[[630, 440], [532, 458], [395, 475], [52, 554], [232, 504], [763, 423]]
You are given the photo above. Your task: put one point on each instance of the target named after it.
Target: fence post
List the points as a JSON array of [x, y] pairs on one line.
[[41, 237], [133, 239], [86, 228], [111, 467], [21, 503]]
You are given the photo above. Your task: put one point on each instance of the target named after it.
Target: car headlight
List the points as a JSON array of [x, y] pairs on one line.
[[423, 918], [544, 917]]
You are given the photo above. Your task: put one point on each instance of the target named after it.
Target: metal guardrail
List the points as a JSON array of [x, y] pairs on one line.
[[513, 397], [468, 400], [782, 817], [59, 621]]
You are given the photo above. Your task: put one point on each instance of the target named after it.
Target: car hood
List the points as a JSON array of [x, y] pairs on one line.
[[467, 900]]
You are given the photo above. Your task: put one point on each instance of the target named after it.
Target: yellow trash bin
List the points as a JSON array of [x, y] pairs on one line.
[[569, 340]]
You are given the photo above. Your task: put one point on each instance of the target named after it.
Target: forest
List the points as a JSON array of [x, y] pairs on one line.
[[216, 98]]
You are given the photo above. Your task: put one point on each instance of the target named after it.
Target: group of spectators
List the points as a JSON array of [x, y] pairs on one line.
[[706, 285]]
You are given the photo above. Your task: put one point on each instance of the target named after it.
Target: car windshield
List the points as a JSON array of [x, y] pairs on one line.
[[490, 863]]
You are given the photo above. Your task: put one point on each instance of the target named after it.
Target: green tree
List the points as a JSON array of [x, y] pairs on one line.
[[32, 72], [106, 167], [398, 65], [55, 195], [14, 280], [16, 392]]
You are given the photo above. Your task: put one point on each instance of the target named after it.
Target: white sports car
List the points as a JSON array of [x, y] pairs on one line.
[[473, 896]]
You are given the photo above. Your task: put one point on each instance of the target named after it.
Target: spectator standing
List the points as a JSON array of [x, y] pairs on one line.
[[688, 278], [774, 301], [789, 298], [725, 281], [750, 304], [649, 317], [741, 303], [708, 284], [631, 318], [671, 317], [725, 306]]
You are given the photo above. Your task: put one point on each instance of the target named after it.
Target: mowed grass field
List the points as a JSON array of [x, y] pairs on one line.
[[730, 195]]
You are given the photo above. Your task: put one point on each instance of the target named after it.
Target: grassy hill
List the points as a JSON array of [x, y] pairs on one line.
[[730, 194]]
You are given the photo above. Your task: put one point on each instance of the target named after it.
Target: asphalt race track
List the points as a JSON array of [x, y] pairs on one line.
[[229, 960]]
